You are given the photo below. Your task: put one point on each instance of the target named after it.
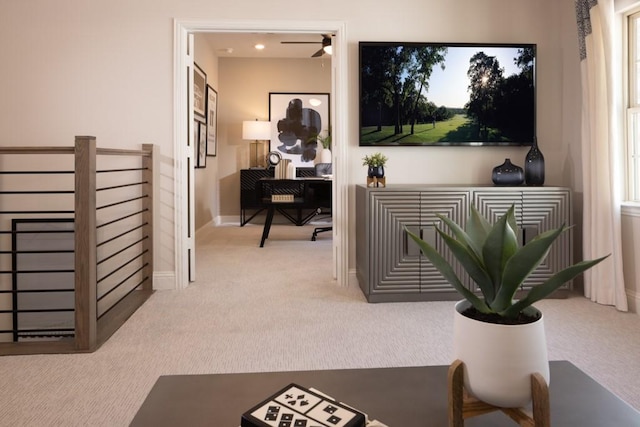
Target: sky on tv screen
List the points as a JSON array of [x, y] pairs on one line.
[[448, 87]]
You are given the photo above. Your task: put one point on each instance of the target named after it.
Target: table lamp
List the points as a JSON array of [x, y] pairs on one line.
[[257, 132]]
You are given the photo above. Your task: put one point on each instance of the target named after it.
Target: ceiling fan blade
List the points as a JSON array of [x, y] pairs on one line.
[[300, 42], [326, 41]]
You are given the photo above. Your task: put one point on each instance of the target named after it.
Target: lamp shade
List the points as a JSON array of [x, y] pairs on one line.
[[256, 130]]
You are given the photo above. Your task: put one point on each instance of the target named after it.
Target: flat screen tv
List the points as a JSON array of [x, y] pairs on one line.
[[434, 94]]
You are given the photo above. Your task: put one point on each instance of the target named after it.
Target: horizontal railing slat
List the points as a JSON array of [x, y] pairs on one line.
[[36, 150]]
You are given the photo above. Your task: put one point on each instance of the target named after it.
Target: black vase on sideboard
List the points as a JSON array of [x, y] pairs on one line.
[[507, 174], [375, 172], [534, 165]]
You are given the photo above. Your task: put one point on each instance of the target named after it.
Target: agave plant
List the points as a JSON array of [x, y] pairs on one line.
[[497, 263]]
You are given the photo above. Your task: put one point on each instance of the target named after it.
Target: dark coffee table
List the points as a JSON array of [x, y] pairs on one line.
[[398, 397]]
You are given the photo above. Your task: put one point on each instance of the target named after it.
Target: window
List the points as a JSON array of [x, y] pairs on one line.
[[633, 111]]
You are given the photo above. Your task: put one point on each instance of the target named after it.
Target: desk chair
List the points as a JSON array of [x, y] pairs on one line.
[[323, 169]]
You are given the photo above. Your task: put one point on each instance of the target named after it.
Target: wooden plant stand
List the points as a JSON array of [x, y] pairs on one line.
[[375, 182], [462, 405]]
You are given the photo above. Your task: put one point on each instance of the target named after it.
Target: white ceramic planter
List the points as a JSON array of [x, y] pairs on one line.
[[499, 359], [325, 156]]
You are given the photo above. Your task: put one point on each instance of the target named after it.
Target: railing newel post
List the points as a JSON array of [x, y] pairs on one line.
[[86, 328]]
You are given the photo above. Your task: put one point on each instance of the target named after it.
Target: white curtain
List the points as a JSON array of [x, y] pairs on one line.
[[602, 169]]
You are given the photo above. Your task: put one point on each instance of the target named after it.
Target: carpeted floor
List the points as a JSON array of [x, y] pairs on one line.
[[272, 309]]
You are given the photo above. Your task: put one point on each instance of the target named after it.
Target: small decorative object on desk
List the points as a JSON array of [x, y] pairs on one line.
[[273, 158], [507, 174], [297, 406], [534, 165], [282, 169]]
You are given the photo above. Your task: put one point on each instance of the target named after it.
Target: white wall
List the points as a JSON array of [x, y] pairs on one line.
[[105, 68]]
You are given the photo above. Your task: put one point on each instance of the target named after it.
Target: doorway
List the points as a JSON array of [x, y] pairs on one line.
[[183, 33]]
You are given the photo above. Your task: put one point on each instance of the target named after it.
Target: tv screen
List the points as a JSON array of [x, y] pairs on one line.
[[433, 94]]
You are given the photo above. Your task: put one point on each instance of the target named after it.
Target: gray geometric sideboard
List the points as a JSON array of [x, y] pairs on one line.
[[389, 264]]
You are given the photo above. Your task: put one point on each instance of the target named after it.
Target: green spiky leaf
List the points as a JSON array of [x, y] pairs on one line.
[[522, 264], [447, 272], [472, 265], [478, 229], [552, 284], [500, 245]]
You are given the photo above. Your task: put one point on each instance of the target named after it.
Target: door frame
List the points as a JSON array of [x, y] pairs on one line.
[[339, 120]]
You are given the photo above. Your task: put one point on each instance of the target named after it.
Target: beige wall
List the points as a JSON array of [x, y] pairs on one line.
[[105, 68]]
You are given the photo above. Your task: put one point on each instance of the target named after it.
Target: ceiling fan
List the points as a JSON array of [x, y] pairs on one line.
[[326, 45]]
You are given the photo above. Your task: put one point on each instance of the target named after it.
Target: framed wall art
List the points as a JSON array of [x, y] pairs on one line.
[[212, 121], [296, 121], [199, 87], [200, 137]]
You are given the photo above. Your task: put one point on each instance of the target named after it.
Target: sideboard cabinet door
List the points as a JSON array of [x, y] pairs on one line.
[[394, 260], [543, 211], [389, 264], [537, 210], [453, 204]]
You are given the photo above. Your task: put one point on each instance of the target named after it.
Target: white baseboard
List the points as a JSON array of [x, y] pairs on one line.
[[353, 278], [164, 281], [227, 220], [220, 221]]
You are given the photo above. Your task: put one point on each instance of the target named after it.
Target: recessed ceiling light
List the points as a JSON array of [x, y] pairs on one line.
[[259, 46], [315, 102]]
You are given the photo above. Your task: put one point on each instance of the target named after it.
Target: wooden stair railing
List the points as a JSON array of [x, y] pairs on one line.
[[91, 328]]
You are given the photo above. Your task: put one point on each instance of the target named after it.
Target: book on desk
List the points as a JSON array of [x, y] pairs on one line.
[[282, 198]]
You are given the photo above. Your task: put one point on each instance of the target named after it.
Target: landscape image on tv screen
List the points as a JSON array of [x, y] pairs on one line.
[[447, 94]]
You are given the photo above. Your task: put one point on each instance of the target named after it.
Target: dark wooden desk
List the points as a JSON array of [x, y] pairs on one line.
[[398, 397], [250, 206], [307, 193]]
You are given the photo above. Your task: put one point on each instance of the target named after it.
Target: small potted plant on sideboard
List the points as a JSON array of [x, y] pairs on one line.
[[375, 163]]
